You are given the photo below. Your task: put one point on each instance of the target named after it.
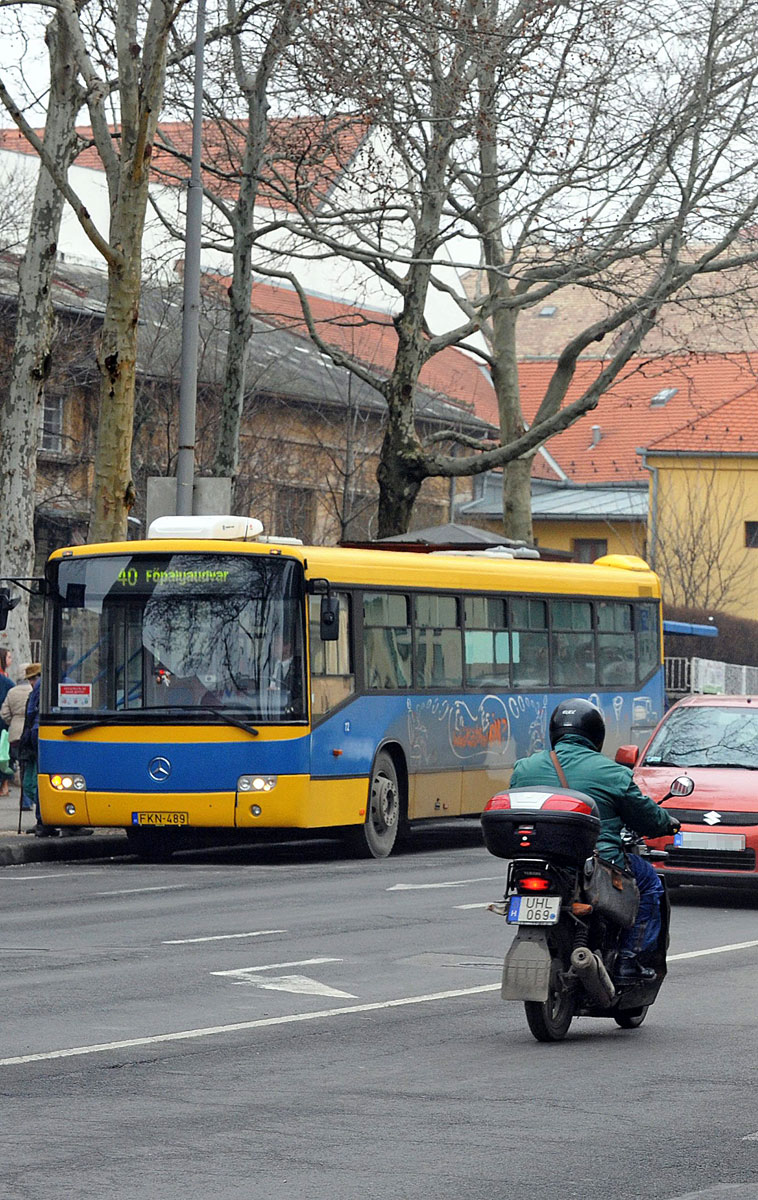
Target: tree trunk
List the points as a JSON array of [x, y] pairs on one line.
[[20, 406], [113, 493], [400, 472]]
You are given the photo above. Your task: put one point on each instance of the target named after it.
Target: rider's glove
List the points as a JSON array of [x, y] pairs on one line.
[[674, 824]]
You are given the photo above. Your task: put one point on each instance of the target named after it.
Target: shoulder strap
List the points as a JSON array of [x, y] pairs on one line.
[[559, 769]]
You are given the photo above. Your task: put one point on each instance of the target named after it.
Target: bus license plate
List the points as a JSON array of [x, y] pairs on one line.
[[160, 818], [533, 910]]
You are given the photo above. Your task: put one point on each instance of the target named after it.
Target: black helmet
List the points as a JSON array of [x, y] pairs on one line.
[[578, 716]]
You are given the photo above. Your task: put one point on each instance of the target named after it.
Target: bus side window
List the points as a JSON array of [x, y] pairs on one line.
[[615, 643], [332, 675], [648, 636], [439, 659], [572, 643], [529, 642], [487, 642], [386, 641]]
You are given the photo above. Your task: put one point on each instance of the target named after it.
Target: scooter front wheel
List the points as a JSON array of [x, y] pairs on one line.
[[549, 1020]]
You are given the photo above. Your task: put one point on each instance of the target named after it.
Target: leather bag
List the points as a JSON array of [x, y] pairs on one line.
[[611, 890]]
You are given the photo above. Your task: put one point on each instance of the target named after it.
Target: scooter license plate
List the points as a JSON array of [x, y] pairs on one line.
[[533, 910]]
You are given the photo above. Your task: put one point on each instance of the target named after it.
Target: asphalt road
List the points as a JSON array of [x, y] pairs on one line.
[[286, 1022]]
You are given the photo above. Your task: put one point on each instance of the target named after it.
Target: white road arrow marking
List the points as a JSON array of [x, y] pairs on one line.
[[300, 984], [420, 887]]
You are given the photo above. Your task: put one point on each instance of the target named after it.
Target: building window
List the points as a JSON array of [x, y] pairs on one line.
[[294, 513], [751, 535], [586, 550], [51, 433], [547, 310]]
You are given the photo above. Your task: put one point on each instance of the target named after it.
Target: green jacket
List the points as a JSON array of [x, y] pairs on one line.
[[619, 800]]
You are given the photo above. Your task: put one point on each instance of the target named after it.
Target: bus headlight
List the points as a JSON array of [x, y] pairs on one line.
[[68, 783], [256, 783]]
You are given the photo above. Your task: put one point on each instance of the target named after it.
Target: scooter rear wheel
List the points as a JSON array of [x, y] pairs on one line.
[[632, 1018], [549, 1020]]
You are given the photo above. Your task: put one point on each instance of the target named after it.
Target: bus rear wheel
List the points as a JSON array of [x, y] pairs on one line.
[[378, 834]]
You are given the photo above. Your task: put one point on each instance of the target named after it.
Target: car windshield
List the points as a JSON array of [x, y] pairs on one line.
[[178, 634], [706, 736]]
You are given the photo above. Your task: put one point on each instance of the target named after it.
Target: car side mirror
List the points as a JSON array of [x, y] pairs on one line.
[[627, 755]]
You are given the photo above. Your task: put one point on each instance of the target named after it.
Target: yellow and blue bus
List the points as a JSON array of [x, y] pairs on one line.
[[198, 681]]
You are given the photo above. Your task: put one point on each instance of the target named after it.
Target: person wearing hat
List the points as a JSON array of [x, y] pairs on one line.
[[13, 712]]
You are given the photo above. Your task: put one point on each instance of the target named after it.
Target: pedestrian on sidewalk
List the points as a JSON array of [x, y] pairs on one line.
[[6, 684], [28, 744], [13, 712]]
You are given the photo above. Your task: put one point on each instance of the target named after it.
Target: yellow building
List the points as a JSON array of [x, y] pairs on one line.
[[666, 466], [703, 522]]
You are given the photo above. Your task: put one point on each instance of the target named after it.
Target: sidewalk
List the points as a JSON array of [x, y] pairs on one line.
[[24, 847]]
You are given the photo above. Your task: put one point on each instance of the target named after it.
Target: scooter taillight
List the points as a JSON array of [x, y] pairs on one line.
[[530, 877], [533, 883]]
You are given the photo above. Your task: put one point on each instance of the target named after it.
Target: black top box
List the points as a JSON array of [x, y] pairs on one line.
[[564, 836]]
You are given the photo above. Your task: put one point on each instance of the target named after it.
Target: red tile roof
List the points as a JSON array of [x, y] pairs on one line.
[[306, 154], [715, 406], [370, 336]]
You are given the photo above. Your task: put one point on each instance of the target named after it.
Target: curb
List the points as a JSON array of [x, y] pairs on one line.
[[63, 849]]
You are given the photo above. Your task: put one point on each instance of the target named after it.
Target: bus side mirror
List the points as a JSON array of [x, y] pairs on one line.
[[627, 755], [329, 628], [6, 606]]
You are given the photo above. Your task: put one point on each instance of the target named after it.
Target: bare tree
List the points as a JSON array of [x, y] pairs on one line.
[[611, 147], [133, 42], [35, 328]]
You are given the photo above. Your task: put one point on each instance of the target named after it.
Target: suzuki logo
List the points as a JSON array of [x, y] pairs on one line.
[[712, 818], [159, 769]]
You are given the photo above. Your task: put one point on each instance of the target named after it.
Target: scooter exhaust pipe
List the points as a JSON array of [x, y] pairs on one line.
[[592, 975]]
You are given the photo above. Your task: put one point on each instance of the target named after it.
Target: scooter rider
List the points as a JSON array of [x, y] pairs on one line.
[[577, 733]]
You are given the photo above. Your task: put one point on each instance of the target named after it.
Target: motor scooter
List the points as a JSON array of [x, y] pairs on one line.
[[570, 910]]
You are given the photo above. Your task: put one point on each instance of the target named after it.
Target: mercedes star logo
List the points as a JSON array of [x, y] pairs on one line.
[[159, 769], [712, 818]]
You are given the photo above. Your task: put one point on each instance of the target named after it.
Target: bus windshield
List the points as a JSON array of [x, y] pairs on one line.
[[178, 632]]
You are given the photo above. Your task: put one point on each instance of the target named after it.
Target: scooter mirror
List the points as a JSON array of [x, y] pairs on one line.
[[681, 786]]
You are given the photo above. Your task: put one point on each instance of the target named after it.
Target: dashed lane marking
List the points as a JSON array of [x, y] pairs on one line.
[[297, 1018], [222, 937], [422, 887]]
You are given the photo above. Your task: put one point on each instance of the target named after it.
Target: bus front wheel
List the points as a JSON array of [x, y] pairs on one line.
[[377, 836]]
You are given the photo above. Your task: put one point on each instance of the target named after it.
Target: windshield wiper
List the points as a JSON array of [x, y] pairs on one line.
[[133, 712], [219, 712], [90, 725], [732, 765]]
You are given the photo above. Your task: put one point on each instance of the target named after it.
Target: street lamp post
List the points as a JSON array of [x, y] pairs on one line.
[[185, 463]]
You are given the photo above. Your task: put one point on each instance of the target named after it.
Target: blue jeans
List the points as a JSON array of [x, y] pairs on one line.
[[644, 933]]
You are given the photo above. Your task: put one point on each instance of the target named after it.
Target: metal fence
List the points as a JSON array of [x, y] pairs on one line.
[[709, 676]]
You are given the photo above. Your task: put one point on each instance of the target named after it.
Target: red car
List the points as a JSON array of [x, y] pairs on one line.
[[714, 741]]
